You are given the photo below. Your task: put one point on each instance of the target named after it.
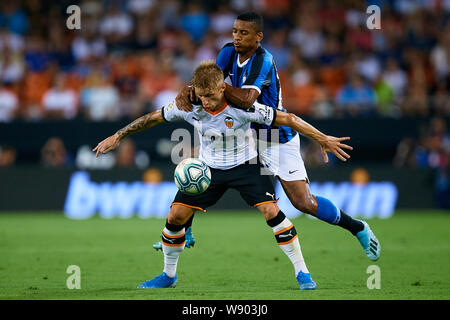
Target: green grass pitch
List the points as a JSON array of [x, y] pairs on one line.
[[235, 257]]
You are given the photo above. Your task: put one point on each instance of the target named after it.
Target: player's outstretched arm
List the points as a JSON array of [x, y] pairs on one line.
[[327, 143], [140, 124]]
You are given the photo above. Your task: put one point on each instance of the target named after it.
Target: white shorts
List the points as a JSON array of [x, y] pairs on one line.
[[283, 159]]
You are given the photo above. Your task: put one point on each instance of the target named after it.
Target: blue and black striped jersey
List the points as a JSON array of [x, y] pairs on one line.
[[260, 73]]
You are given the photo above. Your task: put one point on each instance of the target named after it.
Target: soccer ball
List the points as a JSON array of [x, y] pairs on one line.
[[192, 176]]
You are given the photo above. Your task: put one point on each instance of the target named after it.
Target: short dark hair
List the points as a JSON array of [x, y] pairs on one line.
[[254, 17]]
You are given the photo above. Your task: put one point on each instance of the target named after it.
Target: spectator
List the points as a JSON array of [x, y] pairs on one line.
[[37, 56], [168, 14], [14, 42], [277, 46], [12, 66], [116, 26], [356, 98], [140, 7], [411, 54], [60, 102], [185, 63], [146, 33], [126, 154], [9, 103], [195, 21], [13, 18], [54, 154], [207, 49], [441, 100], [222, 19], [331, 54], [87, 47], [168, 95], [322, 106], [158, 76], [8, 156], [368, 66], [100, 99], [440, 57], [152, 175], [385, 98], [307, 36], [305, 89], [404, 154], [395, 78], [416, 101]]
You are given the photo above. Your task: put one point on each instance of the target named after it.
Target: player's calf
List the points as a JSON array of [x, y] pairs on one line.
[[287, 239], [173, 243]]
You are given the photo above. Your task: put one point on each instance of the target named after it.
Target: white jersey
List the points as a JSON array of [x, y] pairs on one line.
[[226, 139]]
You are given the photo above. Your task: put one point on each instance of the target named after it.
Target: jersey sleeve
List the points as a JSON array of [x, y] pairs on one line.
[[261, 114], [260, 72], [172, 113], [224, 58]]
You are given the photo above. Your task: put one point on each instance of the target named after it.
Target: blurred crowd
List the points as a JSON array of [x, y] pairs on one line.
[[130, 57]]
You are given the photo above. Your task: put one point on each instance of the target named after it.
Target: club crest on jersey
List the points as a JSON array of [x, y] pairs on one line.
[[170, 106], [229, 122]]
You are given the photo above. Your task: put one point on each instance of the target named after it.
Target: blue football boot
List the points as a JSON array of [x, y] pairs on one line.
[[157, 245], [369, 242], [305, 281], [190, 240], [161, 281]]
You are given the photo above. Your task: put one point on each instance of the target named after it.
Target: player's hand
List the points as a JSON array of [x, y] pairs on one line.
[[107, 145], [185, 98], [335, 146]]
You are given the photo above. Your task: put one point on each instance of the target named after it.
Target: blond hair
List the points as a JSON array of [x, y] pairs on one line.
[[207, 75]]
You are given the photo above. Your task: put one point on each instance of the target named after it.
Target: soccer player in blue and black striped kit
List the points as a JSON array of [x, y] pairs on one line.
[[254, 77]]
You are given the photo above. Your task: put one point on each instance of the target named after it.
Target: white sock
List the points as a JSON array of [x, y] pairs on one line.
[[172, 245], [287, 239]]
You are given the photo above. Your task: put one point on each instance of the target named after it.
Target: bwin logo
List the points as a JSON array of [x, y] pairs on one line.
[[375, 199]]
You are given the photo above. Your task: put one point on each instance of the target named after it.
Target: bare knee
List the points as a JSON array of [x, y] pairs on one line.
[[306, 204], [179, 215], [300, 196], [269, 210]]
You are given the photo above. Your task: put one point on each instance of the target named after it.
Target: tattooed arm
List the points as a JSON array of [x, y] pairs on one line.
[[140, 124]]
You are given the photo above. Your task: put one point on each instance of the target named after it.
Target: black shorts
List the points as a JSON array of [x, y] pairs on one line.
[[246, 178]]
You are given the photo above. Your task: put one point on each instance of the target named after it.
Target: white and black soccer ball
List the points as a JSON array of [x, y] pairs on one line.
[[192, 176]]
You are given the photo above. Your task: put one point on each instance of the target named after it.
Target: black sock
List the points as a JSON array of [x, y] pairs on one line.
[[189, 222], [352, 225]]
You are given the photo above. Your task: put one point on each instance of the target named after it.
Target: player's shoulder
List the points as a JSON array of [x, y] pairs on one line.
[[228, 47], [264, 54]]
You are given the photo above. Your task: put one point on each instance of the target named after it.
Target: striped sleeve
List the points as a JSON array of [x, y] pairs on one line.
[[224, 58], [260, 71]]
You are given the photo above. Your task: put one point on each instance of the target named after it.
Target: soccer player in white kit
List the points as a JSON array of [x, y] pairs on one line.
[[232, 158]]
